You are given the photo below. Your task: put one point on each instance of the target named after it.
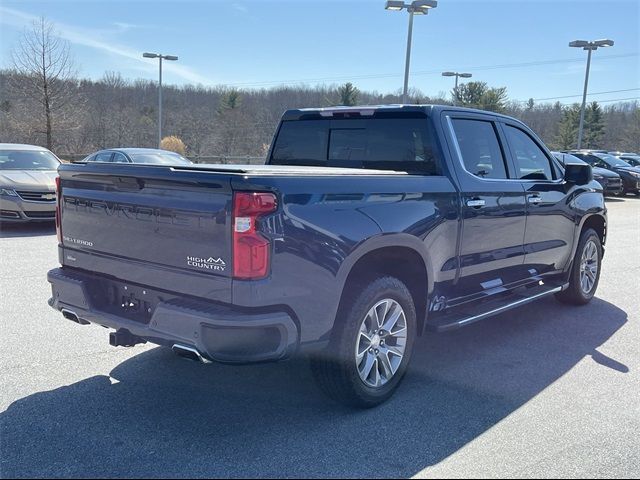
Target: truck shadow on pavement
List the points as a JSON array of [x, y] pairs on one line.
[[159, 415]]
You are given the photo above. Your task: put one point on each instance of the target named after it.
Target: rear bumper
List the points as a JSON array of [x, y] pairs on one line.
[[218, 332]]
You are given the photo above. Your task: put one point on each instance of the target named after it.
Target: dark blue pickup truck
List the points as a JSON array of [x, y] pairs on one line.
[[367, 227]]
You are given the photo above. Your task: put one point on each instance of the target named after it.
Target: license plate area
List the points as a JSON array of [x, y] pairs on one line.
[[125, 299]]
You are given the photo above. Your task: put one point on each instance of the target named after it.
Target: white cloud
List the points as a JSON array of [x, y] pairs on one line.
[[240, 8], [124, 26], [80, 36]]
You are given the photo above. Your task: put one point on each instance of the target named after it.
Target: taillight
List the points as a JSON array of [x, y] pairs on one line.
[[251, 251], [58, 210]]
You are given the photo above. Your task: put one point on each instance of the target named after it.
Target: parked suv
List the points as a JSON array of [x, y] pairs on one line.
[[367, 227], [630, 175], [27, 183], [631, 158], [610, 181]]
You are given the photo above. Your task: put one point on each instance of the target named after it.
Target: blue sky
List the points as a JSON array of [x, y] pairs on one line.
[[262, 43]]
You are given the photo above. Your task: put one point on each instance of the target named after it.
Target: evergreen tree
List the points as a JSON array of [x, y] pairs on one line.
[[593, 126], [230, 100], [348, 94], [229, 120], [479, 95], [494, 100], [567, 137], [631, 134]]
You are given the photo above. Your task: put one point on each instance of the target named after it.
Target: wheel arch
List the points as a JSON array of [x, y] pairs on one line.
[[402, 256], [598, 223]]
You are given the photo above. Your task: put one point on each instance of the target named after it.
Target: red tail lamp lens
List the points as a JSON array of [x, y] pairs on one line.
[[58, 210], [251, 251]]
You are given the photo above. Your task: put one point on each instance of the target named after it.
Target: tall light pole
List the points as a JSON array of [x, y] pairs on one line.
[[161, 57], [457, 75], [417, 7], [589, 47]]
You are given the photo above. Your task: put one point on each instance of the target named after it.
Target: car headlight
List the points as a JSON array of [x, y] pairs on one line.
[[634, 174], [598, 178], [8, 192]]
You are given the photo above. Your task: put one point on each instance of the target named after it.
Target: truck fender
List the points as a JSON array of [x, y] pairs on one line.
[[378, 242]]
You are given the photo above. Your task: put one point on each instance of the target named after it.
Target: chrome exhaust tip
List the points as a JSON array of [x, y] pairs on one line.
[[73, 316], [190, 353]]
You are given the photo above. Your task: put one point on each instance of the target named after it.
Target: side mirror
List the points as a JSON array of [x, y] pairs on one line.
[[578, 173]]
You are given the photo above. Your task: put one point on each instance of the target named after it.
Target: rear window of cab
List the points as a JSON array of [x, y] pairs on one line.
[[401, 144]]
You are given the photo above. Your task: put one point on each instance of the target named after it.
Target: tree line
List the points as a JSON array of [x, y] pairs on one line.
[[43, 101]]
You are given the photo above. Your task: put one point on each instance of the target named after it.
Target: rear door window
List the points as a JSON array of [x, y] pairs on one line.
[[402, 144], [480, 149], [102, 157], [119, 158]]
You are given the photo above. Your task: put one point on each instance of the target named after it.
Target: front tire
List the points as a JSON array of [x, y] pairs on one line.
[[585, 271], [371, 347]]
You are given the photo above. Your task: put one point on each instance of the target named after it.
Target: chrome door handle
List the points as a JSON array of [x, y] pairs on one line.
[[475, 203], [535, 199]]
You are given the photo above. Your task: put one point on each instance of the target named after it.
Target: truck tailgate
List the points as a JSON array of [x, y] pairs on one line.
[[153, 225]]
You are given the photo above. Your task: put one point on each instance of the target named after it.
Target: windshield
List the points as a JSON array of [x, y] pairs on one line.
[[162, 158], [613, 161], [28, 160]]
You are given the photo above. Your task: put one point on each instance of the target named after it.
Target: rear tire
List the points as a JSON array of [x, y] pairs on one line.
[[362, 366], [585, 270]]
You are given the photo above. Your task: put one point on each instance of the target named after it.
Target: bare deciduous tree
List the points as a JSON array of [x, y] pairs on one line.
[[221, 122], [46, 67]]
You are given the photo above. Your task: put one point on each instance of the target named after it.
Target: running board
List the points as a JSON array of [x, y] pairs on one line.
[[461, 316]]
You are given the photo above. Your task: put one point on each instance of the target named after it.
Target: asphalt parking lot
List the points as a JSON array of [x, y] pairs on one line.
[[544, 391]]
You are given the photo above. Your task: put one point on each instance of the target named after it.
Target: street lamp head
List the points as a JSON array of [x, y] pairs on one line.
[[424, 4], [422, 7], [170, 57], [456, 74], [579, 43], [604, 43], [395, 5], [591, 45], [150, 55]]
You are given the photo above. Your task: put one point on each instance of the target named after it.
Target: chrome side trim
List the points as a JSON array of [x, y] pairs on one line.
[[504, 308], [495, 120]]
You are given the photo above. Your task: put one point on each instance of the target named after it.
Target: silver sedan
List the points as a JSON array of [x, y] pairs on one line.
[[27, 183]]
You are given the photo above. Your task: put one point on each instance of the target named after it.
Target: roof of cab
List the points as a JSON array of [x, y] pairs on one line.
[[371, 110]]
